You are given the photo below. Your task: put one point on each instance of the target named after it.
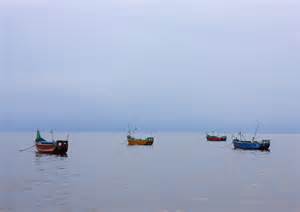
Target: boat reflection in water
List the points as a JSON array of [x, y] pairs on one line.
[[40, 155]]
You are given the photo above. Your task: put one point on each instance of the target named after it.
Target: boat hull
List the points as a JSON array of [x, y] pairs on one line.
[[58, 147], [139, 142], [216, 138], [251, 145]]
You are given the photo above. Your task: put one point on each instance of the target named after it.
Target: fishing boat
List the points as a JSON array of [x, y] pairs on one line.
[[215, 138], [59, 147], [138, 141], [253, 144]]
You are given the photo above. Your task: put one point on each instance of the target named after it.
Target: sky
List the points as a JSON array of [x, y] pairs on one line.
[[165, 65]]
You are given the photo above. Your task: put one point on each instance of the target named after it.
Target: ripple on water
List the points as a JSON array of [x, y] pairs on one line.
[[208, 175], [202, 199]]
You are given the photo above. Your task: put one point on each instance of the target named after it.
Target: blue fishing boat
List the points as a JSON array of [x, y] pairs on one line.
[[253, 144]]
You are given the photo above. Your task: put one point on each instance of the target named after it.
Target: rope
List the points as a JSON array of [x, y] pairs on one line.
[[21, 150]]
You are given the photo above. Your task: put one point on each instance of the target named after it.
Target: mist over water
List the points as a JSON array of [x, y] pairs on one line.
[[180, 172], [171, 65], [173, 69]]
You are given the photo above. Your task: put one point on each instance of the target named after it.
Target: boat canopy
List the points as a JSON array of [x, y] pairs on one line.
[[40, 139]]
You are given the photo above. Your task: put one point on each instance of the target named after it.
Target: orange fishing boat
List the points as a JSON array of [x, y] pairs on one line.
[[138, 141]]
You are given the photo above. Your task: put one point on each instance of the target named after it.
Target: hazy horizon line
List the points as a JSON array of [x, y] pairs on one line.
[[151, 131]]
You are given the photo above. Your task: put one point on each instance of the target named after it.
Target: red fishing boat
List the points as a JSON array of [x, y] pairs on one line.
[[215, 138], [59, 147]]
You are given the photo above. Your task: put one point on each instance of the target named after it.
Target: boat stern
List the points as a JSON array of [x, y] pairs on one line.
[[62, 146]]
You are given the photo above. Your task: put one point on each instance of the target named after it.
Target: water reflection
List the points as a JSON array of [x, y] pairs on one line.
[[52, 180], [39, 155], [179, 172]]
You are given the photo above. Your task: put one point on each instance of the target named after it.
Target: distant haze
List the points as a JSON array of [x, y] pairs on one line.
[[158, 65]]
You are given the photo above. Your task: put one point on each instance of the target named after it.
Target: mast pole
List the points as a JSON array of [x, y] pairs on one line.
[[255, 133]]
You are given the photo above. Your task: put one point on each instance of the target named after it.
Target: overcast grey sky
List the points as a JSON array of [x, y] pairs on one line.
[[160, 65]]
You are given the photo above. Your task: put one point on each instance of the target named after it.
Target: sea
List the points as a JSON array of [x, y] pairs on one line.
[[181, 172]]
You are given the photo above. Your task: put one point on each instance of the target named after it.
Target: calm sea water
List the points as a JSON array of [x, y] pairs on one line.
[[180, 172]]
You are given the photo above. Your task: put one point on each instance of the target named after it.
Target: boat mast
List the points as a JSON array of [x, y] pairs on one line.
[[255, 133], [52, 137], [240, 134], [129, 131]]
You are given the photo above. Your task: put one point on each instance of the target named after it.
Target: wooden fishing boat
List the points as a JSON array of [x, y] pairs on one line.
[[50, 147], [138, 141], [215, 138], [240, 143]]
